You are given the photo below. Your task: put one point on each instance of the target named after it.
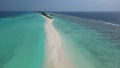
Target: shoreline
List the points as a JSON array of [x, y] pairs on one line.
[[55, 57]]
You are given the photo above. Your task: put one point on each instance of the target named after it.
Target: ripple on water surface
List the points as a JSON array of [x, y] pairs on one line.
[[91, 43]]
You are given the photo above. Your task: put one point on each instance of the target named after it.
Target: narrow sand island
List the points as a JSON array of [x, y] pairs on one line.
[[55, 58]]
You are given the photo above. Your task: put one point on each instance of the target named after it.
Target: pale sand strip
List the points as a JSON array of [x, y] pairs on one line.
[[55, 58]]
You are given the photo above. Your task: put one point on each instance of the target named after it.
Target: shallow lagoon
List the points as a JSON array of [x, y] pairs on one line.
[[22, 41], [89, 43]]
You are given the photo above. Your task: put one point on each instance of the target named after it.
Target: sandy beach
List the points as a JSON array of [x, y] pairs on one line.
[[55, 58]]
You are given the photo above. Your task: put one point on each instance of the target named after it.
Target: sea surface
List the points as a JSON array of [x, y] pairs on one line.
[[90, 39], [22, 40], [113, 17], [89, 43]]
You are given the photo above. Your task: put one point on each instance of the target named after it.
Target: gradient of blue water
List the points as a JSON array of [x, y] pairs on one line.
[[113, 17], [90, 43]]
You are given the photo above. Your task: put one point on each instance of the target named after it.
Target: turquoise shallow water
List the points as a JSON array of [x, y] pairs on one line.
[[89, 43], [22, 41]]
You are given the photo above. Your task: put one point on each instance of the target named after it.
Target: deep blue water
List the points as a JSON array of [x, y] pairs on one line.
[[112, 17]]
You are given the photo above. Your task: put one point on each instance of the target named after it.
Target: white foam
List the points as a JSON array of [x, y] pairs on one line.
[[109, 23]]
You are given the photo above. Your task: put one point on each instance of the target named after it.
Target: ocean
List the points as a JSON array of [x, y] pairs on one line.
[[89, 42], [113, 17], [90, 39], [22, 40]]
